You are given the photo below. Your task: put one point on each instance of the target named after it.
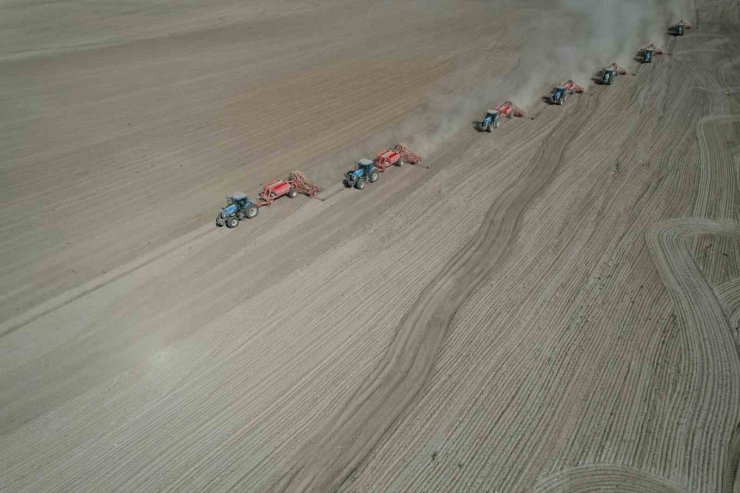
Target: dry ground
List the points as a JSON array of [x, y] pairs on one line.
[[554, 307]]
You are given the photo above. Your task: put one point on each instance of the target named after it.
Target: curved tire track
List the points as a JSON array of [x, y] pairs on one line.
[[606, 477], [372, 409], [715, 198], [714, 356]]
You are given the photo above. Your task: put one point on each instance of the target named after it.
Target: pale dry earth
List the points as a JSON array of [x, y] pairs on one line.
[[554, 307]]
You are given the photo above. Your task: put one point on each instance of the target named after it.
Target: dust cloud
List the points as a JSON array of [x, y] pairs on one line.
[[568, 39]]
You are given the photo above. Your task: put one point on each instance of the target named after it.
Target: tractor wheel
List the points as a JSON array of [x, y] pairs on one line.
[[292, 193], [360, 184], [489, 128], [219, 221], [251, 211], [497, 124], [561, 101], [373, 176], [232, 222]]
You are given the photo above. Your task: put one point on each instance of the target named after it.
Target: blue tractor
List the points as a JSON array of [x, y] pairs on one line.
[[238, 207], [490, 121], [559, 95], [366, 172], [647, 55], [607, 77]]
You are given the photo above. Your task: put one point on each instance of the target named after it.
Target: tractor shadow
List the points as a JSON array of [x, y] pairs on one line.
[[476, 125], [547, 100]]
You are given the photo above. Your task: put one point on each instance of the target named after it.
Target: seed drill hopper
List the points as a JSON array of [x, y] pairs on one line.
[[399, 155], [293, 185]]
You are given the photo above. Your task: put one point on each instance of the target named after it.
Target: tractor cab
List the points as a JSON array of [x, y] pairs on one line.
[[238, 199], [607, 77], [647, 55], [490, 121], [679, 28], [236, 202], [558, 95], [364, 165]]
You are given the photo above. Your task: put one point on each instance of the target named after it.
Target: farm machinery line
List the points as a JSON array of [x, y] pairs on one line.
[[239, 206]]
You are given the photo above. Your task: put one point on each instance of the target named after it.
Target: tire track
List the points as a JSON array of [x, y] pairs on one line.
[[72, 295], [198, 420], [372, 409], [715, 360], [606, 477], [729, 293], [715, 198], [223, 407]]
